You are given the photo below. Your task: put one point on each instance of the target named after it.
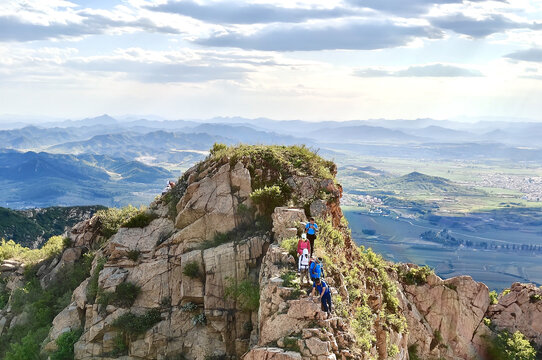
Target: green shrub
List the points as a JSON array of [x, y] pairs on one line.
[[413, 352], [268, 198], [243, 231], [290, 245], [163, 237], [42, 305], [132, 324], [217, 148], [506, 346], [535, 298], [124, 295], [192, 270], [65, 343], [417, 276], [140, 220], [111, 219], [92, 288], [505, 292], [11, 250], [29, 347], [189, 307], [493, 297], [288, 279], [393, 350], [245, 293], [199, 319], [290, 344], [361, 324], [120, 346], [133, 255]]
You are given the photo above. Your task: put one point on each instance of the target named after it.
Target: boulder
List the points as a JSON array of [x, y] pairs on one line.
[[285, 222], [210, 204], [453, 308], [520, 310]]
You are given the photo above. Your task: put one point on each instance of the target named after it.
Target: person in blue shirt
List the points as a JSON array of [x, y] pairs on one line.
[[315, 270], [322, 289], [311, 229]]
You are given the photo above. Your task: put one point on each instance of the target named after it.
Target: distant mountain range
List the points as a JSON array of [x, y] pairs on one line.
[[32, 179], [110, 161]]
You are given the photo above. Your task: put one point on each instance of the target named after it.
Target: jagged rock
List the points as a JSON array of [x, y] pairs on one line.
[[210, 205], [454, 308], [318, 208], [68, 319], [141, 239], [285, 222], [270, 353], [9, 265], [86, 233], [69, 257], [520, 310]]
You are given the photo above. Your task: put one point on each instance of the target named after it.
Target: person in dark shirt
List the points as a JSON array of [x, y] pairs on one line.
[[320, 287], [311, 229]]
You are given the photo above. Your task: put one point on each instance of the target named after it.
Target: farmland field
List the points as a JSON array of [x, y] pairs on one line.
[[398, 239]]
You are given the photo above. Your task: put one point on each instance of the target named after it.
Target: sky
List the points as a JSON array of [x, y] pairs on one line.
[[283, 59]]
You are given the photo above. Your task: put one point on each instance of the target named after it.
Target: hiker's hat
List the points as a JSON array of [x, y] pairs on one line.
[[303, 236]]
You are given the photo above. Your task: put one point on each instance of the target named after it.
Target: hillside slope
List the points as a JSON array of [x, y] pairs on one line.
[[207, 273]]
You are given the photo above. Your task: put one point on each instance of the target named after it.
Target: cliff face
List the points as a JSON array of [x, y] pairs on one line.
[[211, 277]]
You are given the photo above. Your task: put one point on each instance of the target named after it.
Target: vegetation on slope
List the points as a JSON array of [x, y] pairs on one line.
[[40, 306], [26, 226]]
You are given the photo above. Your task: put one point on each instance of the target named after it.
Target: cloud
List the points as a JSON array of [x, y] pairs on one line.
[[405, 8], [353, 35], [532, 55], [477, 28], [13, 28], [227, 12], [160, 72], [434, 70]]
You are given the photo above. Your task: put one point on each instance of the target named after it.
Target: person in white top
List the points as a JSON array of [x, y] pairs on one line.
[[303, 266]]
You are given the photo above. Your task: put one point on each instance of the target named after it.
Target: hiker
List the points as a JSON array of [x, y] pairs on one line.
[[168, 187], [322, 289], [303, 244], [315, 269], [303, 267], [311, 229]]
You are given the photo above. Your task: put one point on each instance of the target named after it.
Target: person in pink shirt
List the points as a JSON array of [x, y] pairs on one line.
[[303, 243]]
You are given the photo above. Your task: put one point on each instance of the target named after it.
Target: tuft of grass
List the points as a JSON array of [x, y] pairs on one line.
[[92, 288], [290, 245], [290, 344], [493, 297], [245, 293], [288, 279], [140, 220], [535, 298], [65, 343], [199, 319], [192, 270], [417, 276], [132, 324], [189, 307], [270, 197], [133, 255], [124, 295]]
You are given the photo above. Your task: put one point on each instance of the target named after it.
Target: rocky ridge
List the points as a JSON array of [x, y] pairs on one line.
[[378, 315]]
